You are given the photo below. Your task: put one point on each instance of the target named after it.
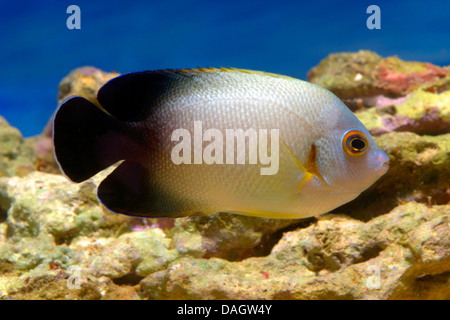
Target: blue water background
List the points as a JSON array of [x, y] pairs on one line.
[[289, 37]]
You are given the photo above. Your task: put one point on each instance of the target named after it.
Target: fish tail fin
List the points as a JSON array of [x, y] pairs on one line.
[[86, 140]]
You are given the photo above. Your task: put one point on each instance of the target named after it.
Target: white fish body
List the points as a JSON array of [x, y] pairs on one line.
[[326, 156]]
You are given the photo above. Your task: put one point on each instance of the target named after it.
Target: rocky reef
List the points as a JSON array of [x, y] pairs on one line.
[[57, 241]]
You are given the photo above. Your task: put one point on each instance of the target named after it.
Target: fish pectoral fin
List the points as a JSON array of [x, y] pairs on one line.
[[300, 165], [311, 163], [130, 190], [309, 171]]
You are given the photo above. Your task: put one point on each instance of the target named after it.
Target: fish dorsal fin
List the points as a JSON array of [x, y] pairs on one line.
[[231, 69], [263, 73], [134, 96]]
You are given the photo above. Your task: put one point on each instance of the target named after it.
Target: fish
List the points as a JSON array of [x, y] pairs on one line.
[[201, 141]]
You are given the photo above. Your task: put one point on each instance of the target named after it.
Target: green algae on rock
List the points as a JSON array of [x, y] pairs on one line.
[[226, 235], [360, 77], [332, 259], [16, 156], [135, 253], [84, 82], [421, 112], [47, 205], [347, 75]]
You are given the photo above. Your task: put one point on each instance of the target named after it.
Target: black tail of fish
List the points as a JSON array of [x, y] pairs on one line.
[[86, 140]]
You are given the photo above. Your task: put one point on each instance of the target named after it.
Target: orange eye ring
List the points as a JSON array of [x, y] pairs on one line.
[[354, 143]]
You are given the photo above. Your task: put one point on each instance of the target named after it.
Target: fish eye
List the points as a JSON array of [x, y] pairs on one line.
[[354, 143]]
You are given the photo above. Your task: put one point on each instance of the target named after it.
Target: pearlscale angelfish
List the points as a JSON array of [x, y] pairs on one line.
[[326, 156]]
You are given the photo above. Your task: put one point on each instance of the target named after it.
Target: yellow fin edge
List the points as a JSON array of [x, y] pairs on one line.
[[230, 69], [311, 163], [308, 175]]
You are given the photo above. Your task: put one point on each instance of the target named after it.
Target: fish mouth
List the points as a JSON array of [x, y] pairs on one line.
[[382, 163], [382, 168]]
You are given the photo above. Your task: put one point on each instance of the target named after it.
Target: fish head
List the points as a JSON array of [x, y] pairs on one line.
[[347, 156]]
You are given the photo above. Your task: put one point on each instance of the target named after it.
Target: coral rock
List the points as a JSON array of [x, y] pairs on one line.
[[365, 78], [16, 157], [336, 258]]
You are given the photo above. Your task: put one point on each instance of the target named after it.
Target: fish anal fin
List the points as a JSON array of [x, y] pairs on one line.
[[130, 190]]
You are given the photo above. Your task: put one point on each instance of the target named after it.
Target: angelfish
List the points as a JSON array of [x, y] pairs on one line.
[[326, 157]]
